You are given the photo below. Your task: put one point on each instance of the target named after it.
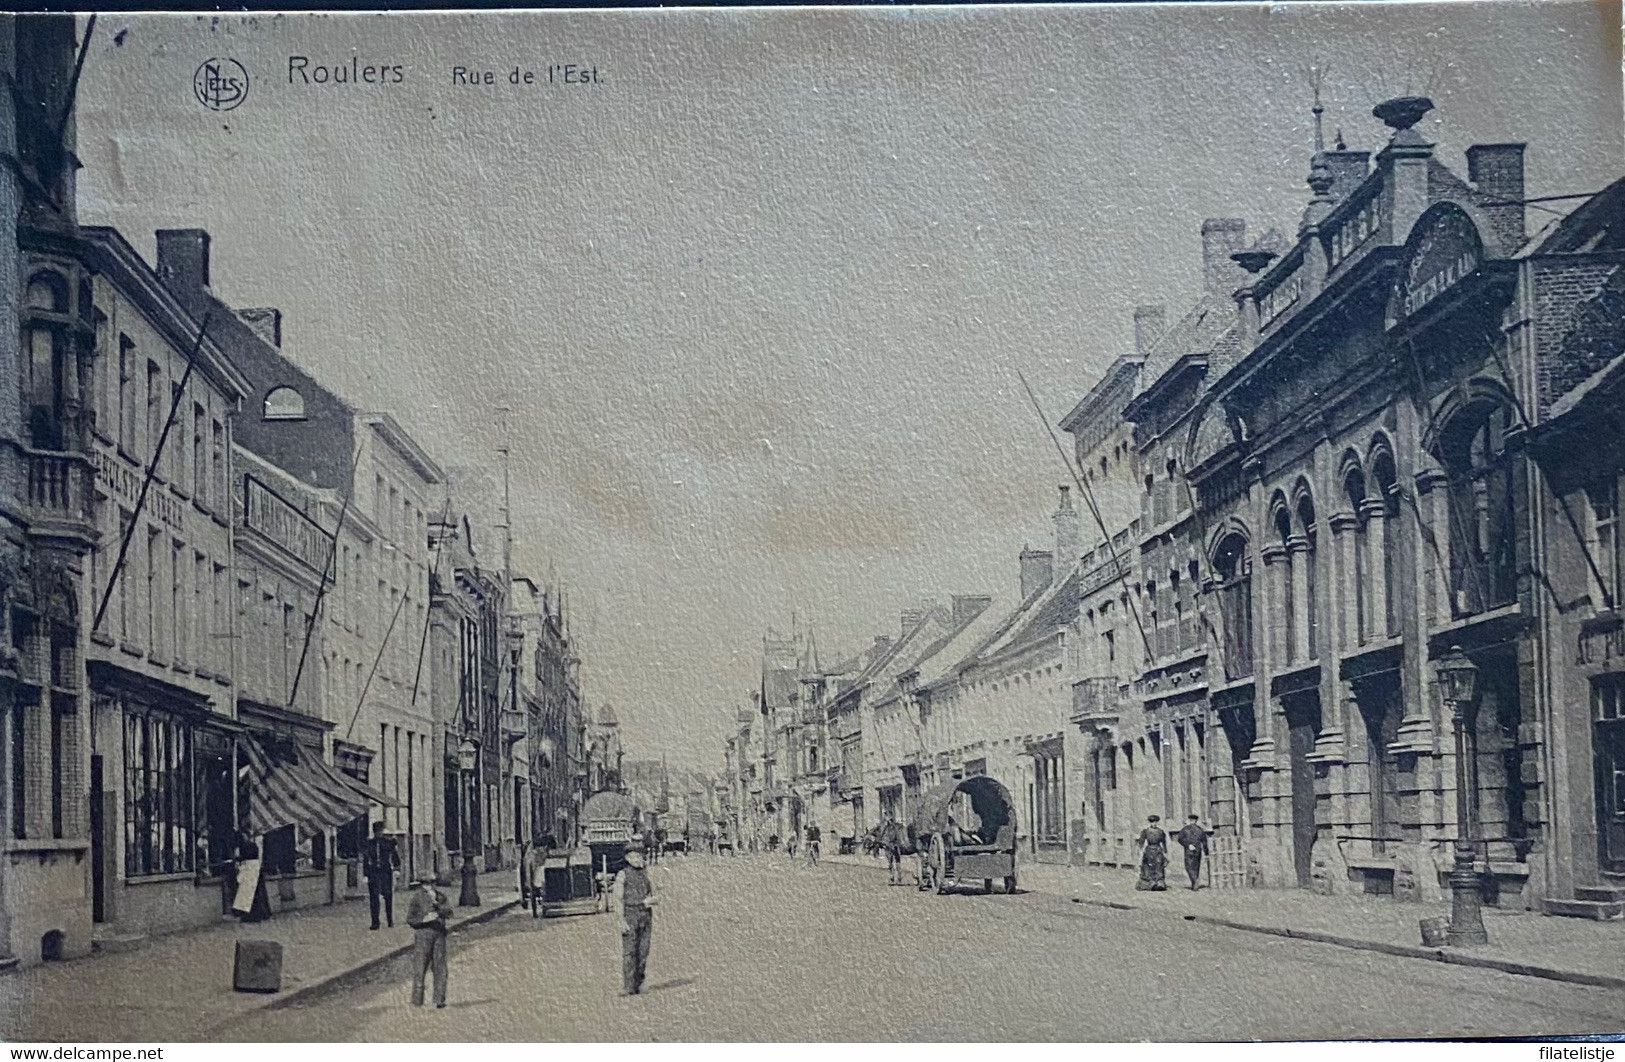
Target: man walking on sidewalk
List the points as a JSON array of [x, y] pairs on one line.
[[1193, 839], [428, 914], [380, 859], [635, 897]]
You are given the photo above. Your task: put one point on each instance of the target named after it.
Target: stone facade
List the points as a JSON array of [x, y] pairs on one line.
[[45, 527], [161, 662]]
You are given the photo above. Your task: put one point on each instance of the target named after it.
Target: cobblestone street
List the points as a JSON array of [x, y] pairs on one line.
[[758, 948]]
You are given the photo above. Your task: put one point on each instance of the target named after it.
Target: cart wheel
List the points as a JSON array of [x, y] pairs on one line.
[[939, 864], [1010, 884]]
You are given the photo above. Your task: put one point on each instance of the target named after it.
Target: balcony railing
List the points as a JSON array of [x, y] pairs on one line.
[[1096, 699], [56, 483]]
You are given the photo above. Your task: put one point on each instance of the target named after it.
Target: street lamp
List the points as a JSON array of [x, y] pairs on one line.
[[467, 754], [1458, 686]]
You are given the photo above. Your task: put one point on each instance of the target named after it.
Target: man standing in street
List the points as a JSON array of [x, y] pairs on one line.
[[379, 861], [1193, 839], [891, 841], [427, 914], [635, 898]]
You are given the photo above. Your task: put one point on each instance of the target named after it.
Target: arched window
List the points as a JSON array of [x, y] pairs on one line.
[[47, 373], [284, 403], [1311, 617], [1153, 617], [1232, 569], [1473, 449]]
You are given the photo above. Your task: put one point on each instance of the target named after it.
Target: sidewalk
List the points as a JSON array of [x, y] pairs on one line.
[[1521, 942], [177, 987]]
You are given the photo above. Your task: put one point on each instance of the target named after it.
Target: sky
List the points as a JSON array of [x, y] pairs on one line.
[[757, 296]]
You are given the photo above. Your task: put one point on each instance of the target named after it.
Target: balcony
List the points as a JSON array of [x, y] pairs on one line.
[[58, 484], [1096, 702]]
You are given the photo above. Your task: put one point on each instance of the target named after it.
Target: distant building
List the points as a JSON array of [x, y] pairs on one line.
[[379, 490]]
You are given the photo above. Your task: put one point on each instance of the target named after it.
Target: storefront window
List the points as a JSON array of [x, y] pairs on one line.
[[159, 810], [1481, 517]]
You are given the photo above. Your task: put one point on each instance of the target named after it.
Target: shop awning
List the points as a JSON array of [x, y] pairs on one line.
[[283, 792], [344, 783]]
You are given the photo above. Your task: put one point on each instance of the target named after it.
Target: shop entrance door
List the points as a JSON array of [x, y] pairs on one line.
[[1303, 722], [1608, 730], [98, 844]]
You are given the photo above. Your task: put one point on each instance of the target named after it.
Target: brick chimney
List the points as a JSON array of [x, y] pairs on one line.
[[183, 259], [1037, 569], [1068, 536], [967, 607], [1221, 238], [1496, 170], [266, 323], [1150, 322]]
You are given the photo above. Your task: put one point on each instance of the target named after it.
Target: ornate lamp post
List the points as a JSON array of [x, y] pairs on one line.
[[1458, 687], [466, 760]]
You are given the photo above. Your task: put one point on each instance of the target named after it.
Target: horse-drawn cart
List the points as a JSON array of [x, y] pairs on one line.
[[568, 885], [611, 821], [966, 830]]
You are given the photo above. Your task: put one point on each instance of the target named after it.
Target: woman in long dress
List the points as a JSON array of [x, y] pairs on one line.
[[1153, 858], [249, 866]]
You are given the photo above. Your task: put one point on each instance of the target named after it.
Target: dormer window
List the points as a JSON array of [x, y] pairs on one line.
[[284, 403]]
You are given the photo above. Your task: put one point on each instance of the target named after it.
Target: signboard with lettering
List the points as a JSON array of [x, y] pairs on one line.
[[122, 481], [1444, 248], [267, 512]]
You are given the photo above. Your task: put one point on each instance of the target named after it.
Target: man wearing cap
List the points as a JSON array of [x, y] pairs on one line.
[[1193, 839], [427, 914], [380, 859], [635, 898]]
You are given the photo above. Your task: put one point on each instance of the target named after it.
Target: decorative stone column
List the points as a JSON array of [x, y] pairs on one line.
[[1300, 557], [1277, 576], [1433, 511], [1375, 513], [1345, 537]]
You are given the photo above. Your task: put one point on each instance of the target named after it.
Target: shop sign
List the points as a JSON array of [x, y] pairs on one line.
[[1443, 249], [265, 511], [123, 483]]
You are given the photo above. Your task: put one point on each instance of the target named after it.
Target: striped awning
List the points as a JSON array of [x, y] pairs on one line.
[[344, 782], [285, 792]]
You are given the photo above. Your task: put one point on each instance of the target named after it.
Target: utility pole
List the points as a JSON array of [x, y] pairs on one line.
[[507, 497]]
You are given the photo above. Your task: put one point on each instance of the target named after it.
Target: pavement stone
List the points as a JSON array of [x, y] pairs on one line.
[[1521, 942], [178, 986]]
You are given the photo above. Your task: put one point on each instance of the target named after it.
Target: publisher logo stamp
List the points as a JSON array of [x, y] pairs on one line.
[[220, 84]]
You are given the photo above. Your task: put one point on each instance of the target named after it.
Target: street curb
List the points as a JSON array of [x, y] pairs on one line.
[[327, 981], [1408, 951]]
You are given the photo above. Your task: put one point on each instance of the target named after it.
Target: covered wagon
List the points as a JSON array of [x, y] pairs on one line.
[[966, 831]]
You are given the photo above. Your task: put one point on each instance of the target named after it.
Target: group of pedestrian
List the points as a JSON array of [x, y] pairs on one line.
[[1154, 854]]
